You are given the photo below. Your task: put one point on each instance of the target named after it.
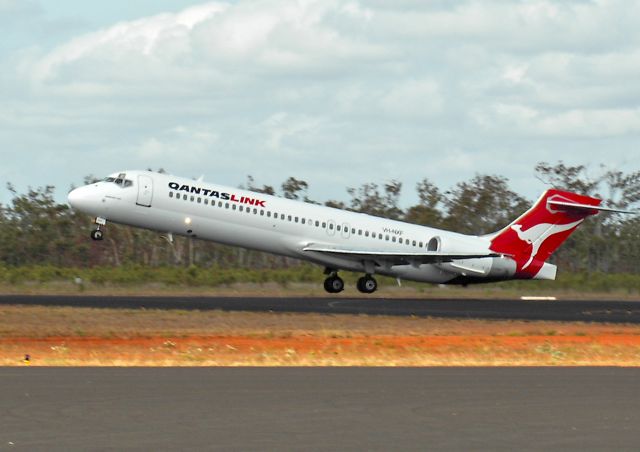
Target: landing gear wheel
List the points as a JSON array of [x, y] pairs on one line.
[[334, 284], [367, 284], [96, 234]]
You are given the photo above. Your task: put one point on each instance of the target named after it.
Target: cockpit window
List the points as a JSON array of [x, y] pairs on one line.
[[120, 180]]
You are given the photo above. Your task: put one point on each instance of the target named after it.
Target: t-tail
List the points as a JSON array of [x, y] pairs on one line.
[[532, 238]]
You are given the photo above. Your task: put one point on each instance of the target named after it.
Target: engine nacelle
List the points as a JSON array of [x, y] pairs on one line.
[[490, 268]]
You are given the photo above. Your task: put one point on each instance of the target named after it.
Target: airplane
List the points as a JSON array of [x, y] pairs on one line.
[[333, 238]]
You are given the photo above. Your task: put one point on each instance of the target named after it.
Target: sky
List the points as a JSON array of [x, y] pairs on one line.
[[338, 93]]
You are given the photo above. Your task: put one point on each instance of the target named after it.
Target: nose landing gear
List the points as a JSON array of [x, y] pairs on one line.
[[97, 234]]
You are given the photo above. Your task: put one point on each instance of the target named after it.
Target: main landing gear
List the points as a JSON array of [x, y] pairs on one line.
[[367, 284], [335, 284], [97, 233]]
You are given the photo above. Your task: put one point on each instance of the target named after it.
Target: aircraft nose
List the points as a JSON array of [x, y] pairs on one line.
[[78, 198]]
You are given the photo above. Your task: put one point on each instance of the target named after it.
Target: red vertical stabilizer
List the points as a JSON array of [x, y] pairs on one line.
[[533, 237]]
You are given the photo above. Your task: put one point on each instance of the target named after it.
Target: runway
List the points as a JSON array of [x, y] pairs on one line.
[[565, 310], [323, 409]]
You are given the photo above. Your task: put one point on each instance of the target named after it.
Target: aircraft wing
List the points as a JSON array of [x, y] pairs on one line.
[[395, 258]]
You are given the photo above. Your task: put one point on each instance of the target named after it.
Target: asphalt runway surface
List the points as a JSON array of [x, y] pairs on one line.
[[324, 409], [566, 310]]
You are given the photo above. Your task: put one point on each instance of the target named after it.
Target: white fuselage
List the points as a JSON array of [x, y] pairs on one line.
[[285, 227]]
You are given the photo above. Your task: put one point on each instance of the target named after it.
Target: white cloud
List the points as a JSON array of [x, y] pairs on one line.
[[178, 144], [579, 123], [282, 128], [372, 90], [138, 39], [594, 123], [211, 38], [414, 98]]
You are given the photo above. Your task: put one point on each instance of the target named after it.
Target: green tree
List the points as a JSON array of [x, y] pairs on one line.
[[483, 205], [368, 199], [427, 212], [293, 188], [251, 186]]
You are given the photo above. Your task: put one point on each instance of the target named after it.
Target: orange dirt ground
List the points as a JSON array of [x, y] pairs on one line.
[[478, 350], [105, 337]]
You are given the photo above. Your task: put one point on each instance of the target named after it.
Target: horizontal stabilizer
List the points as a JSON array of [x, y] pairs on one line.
[[567, 206]]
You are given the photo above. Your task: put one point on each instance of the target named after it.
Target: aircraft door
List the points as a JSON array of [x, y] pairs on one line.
[[145, 190]]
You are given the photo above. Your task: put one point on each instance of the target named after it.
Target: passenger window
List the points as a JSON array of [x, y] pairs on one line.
[[170, 194], [324, 225], [262, 213], [184, 197], [338, 228], [330, 225], [255, 211], [206, 201], [414, 243], [282, 216], [233, 206], [353, 231], [268, 214], [303, 221], [359, 231], [296, 219], [219, 203], [192, 198], [393, 238], [317, 223], [289, 218], [366, 233], [420, 244], [386, 237], [199, 200], [400, 241], [241, 208], [226, 205]]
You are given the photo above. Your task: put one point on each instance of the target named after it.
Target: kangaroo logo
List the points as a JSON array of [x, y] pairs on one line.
[[538, 234]]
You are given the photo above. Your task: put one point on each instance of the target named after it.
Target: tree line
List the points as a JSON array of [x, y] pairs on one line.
[[35, 230]]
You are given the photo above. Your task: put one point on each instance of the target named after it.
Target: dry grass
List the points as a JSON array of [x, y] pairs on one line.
[[97, 337]]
